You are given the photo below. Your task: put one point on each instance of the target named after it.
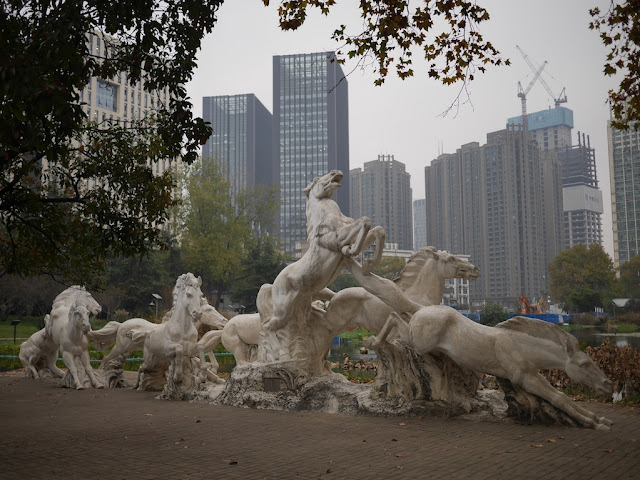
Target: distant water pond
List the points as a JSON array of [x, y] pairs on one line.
[[593, 337]]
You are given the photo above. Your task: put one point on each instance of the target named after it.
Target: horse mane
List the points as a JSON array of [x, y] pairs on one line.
[[69, 294], [413, 267], [541, 329]]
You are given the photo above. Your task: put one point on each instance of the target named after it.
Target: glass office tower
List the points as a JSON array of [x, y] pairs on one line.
[[311, 134]]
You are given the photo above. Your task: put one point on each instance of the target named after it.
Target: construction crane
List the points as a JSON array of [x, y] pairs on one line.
[[562, 98], [522, 94]]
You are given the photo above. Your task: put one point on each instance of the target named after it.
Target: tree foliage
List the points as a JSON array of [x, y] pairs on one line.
[[630, 278], [446, 31], [390, 267], [492, 314], [218, 229], [619, 29], [582, 278], [50, 150], [261, 264]]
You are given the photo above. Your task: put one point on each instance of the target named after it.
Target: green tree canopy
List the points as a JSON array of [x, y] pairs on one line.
[[390, 267], [50, 222], [261, 264], [582, 278], [492, 314], [630, 278], [217, 229]]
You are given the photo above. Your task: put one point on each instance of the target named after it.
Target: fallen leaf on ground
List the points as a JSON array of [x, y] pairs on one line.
[[399, 467], [400, 455], [551, 440], [536, 445]]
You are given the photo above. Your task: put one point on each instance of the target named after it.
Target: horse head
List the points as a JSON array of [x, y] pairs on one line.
[[454, 267], [188, 293], [323, 187], [581, 368], [79, 317], [92, 306]]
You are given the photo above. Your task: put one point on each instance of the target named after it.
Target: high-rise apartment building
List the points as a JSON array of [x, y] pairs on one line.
[[241, 143], [311, 134], [582, 200], [419, 224], [624, 172], [382, 192], [115, 101], [496, 203]]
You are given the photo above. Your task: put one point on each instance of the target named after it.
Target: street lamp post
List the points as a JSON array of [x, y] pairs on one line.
[[156, 299]]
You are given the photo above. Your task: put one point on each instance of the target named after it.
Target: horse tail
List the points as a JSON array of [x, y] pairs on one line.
[[264, 302], [105, 336]]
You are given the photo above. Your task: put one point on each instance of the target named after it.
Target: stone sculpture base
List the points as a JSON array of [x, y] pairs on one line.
[[278, 386], [528, 408], [67, 380], [404, 374]]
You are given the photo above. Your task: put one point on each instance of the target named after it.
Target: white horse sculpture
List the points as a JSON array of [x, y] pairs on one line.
[[68, 323], [514, 350], [422, 280], [239, 336], [74, 346], [172, 341], [39, 354], [332, 237]]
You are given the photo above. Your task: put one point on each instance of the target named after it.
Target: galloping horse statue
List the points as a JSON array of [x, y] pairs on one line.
[[515, 349], [171, 342]]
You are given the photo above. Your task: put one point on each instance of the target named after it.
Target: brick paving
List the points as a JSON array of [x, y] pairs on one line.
[[50, 432]]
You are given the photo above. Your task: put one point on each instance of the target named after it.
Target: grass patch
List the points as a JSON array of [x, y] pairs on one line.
[[359, 334]]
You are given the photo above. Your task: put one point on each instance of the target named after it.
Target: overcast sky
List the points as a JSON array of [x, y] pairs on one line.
[[403, 118]]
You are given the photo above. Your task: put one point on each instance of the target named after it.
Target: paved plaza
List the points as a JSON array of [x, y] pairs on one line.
[[51, 432]]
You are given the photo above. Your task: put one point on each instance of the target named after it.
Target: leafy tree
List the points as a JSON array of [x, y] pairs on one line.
[[217, 228], [582, 278], [132, 281], [342, 281], [492, 314], [261, 264], [448, 34], [390, 267], [49, 150], [619, 29], [630, 278]]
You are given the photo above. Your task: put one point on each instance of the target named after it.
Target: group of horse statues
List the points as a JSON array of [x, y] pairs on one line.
[[428, 353]]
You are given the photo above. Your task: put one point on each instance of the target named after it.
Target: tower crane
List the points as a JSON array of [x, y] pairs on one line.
[[562, 98], [522, 94]]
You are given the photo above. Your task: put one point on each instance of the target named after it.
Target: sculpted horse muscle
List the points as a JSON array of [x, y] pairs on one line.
[[167, 344], [39, 353], [332, 237], [422, 280], [515, 350], [67, 326]]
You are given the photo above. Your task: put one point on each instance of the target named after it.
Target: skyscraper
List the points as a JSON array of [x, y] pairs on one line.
[[496, 203], [241, 140], [382, 192], [582, 200], [419, 224], [311, 134], [624, 171]]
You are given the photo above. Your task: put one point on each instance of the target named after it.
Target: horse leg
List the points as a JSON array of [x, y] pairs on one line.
[[70, 363], [86, 361], [377, 235], [394, 321], [351, 237], [177, 352], [538, 385], [52, 359], [209, 342]]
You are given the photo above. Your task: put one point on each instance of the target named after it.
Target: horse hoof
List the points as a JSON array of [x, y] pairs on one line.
[[79, 387], [605, 421], [601, 426]]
